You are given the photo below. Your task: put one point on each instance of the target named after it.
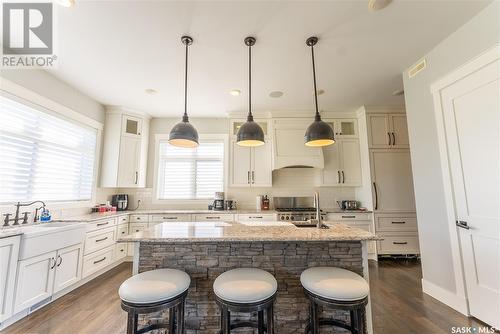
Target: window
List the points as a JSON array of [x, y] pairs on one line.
[[190, 173], [43, 157]]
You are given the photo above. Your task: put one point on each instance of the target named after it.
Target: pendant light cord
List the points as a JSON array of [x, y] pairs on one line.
[[250, 116], [317, 117], [185, 117]]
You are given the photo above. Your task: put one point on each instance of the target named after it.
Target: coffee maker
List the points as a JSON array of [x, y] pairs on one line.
[[120, 201], [219, 201]]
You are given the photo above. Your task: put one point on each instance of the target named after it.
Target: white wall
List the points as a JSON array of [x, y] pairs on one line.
[[479, 34], [286, 182]]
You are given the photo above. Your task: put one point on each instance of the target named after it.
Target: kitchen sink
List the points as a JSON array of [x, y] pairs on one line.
[[58, 224], [323, 227]]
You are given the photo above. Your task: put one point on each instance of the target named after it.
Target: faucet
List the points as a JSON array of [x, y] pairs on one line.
[[318, 210], [25, 214]]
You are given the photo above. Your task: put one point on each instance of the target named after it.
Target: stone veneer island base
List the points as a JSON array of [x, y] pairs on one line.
[[284, 251]]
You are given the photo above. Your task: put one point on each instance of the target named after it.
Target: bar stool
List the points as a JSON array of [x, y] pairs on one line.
[[153, 291], [246, 290], [335, 288]]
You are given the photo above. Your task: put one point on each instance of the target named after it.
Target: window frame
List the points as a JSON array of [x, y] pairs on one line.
[[202, 137], [33, 100]]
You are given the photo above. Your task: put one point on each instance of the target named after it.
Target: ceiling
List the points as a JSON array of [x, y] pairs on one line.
[[114, 50]]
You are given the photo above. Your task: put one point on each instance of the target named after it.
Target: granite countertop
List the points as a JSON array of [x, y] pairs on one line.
[[246, 231], [97, 216]]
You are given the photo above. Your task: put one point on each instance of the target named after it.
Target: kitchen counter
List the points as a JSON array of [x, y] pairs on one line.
[[246, 231], [10, 232], [204, 250], [97, 216]]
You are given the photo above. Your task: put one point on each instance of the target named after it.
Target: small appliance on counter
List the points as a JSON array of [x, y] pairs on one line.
[[218, 201], [230, 204], [348, 205], [265, 203], [120, 202]]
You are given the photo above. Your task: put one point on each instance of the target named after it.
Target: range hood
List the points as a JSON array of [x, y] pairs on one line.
[[289, 149]]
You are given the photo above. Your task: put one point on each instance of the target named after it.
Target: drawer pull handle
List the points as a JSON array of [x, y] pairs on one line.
[[102, 224], [399, 222], [99, 240], [348, 216], [121, 250], [137, 230], [98, 261], [137, 218], [123, 232], [171, 218], [255, 217], [212, 217], [400, 243]]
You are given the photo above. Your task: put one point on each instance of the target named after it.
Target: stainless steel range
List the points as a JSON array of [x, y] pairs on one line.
[[297, 210]]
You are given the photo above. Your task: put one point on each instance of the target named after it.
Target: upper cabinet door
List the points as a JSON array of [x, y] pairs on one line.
[[331, 172], [261, 174], [346, 128], [379, 135], [128, 165], [399, 131], [240, 165], [393, 181], [351, 162], [131, 126]]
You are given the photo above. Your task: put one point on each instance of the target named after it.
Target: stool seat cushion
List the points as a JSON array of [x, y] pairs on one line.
[[245, 285], [334, 283], [154, 286]]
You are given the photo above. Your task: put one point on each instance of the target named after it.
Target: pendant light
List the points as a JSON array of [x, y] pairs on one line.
[[183, 134], [250, 133], [318, 133]]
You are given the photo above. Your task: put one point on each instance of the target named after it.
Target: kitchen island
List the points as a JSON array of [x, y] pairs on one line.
[[206, 249]]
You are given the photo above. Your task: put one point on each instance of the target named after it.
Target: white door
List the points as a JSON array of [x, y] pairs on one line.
[[35, 280], [9, 252], [392, 180], [378, 131], [240, 165], [399, 131], [128, 166], [351, 162], [262, 172], [471, 111], [68, 267], [331, 172]]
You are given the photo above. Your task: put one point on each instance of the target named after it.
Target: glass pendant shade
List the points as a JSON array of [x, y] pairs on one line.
[[250, 134], [183, 134], [319, 133]]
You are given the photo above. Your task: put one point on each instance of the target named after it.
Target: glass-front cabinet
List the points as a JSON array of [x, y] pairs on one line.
[[344, 128], [236, 125]]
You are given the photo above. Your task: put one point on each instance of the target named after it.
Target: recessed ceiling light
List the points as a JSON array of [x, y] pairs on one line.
[[398, 92], [378, 4], [276, 94], [235, 92], [66, 3], [151, 91]]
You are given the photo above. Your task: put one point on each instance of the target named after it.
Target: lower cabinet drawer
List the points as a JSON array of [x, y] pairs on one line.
[[101, 224], [139, 218], [349, 216], [398, 244], [121, 231], [257, 217], [213, 217], [388, 224], [134, 228], [159, 218], [97, 261], [99, 239], [120, 250], [123, 219]]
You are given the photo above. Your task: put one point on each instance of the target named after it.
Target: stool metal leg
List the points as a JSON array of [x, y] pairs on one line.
[[181, 328], [171, 320], [270, 320], [132, 323], [260, 322], [314, 318], [226, 328]]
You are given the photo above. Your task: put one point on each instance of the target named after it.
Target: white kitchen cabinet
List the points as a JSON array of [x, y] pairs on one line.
[[126, 138], [387, 130], [361, 220], [160, 218], [251, 166], [342, 164], [256, 217], [224, 217], [35, 280], [392, 180], [97, 261], [343, 128], [68, 267], [9, 253]]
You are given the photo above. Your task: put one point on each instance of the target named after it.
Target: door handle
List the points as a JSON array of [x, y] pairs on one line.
[[253, 177], [462, 224], [338, 176], [248, 177], [343, 177], [389, 136], [60, 258], [55, 262], [376, 195], [136, 177], [393, 139]]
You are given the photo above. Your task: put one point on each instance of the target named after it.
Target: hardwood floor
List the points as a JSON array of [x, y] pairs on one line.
[[399, 306]]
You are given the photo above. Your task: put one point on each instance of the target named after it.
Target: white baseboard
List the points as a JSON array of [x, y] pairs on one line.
[[447, 297]]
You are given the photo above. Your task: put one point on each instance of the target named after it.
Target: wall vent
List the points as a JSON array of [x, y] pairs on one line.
[[417, 68]]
